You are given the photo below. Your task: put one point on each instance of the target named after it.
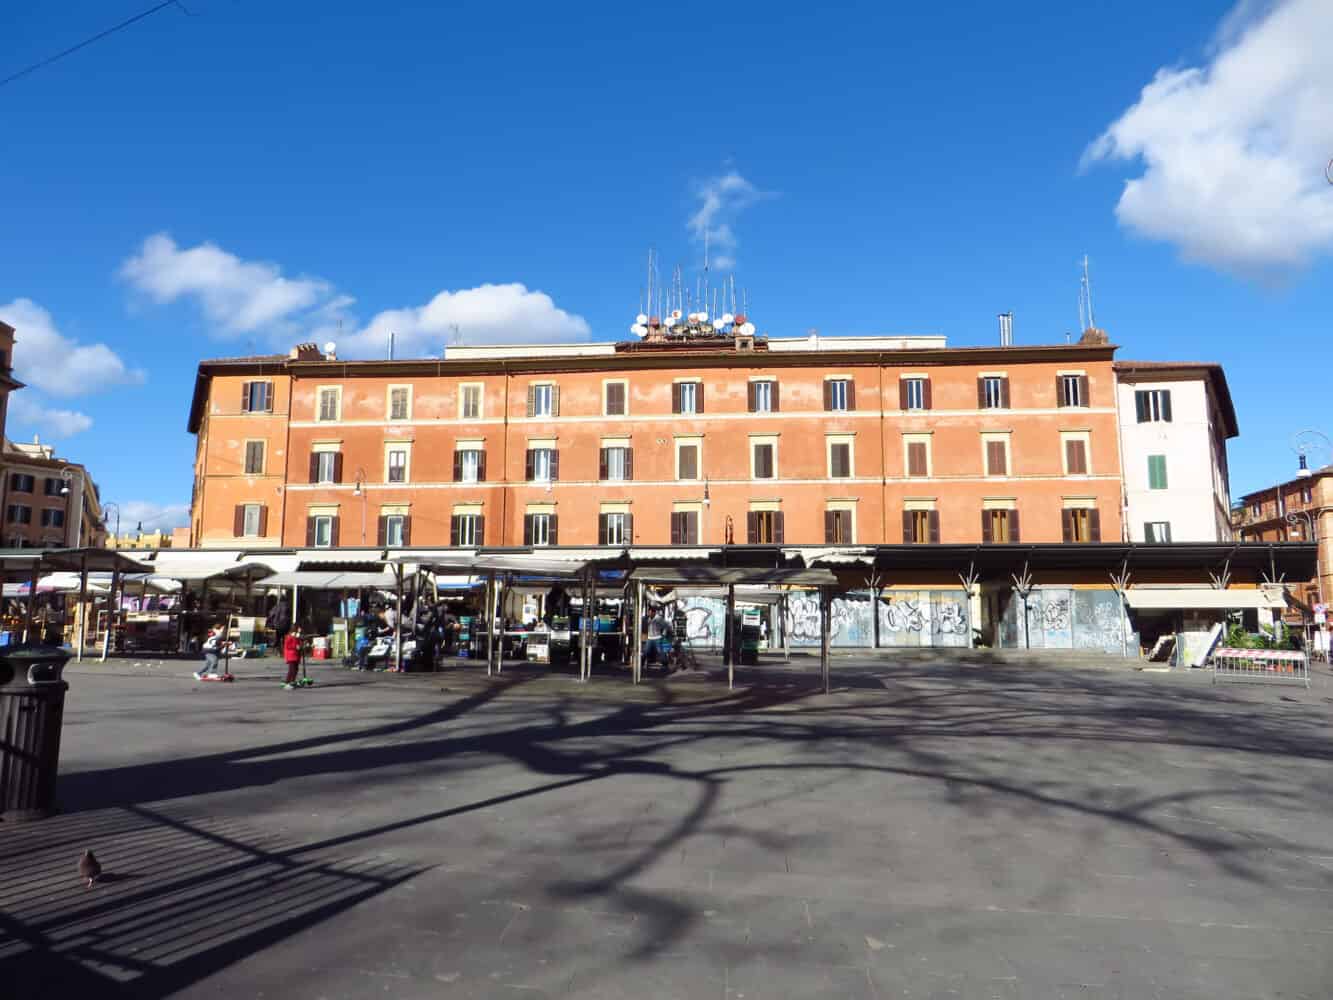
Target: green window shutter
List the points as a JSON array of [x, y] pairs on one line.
[[1157, 472]]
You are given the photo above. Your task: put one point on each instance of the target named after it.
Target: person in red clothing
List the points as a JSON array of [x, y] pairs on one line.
[[291, 652]]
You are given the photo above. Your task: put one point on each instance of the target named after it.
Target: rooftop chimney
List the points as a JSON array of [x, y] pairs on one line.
[[1007, 329], [306, 352]]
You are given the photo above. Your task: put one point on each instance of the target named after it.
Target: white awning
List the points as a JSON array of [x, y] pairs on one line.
[[316, 580], [835, 557], [669, 555], [204, 565], [340, 557], [1172, 598]]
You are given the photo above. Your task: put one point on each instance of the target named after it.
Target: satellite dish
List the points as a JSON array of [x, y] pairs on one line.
[[330, 348], [717, 325], [703, 317], [727, 319], [739, 319], [747, 329], [641, 318], [638, 329], [675, 314]]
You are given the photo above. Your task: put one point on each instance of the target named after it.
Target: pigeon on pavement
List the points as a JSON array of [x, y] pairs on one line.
[[89, 868]]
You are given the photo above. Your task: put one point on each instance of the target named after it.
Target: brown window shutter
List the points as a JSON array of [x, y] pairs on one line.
[[555, 400], [698, 397], [629, 463], [601, 467], [629, 529], [527, 468], [314, 466], [1059, 391], [453, 531], [458, 466], [981, 393], [1083, 391], [851, 395], [554, 535], [773, 396], [1004, 392], [310, 532], [830, 526], [986, 534], [382, 532], [925, 394], [1095, 525], [752, 526], [691, 528], [238, 521], [1067, 525], [527, 529], [263, 520], [907, 527], [675, 528], [337, 467], [1013, 526], [902, 394], [778, 533], [934, 527], [407, 529], [335, 536], [481, 466], [675, 397], [245, 397], [1076, 458], [601, 529], [750, 397], [997, 458], [481, 530], [916, 459], [828, 395], [532, 401], [555, 464]]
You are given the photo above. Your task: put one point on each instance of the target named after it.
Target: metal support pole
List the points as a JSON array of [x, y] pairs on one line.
[[113, 603], [586, 633], [398, 621], [83, 605], [32, 600], [786, 646], [730, 636], [638, 632], [489, 618], [500, 585], [824, 604]]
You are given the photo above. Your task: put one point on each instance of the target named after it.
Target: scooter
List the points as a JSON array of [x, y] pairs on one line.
[[381, 654]]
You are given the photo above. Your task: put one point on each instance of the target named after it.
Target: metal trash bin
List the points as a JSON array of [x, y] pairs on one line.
[[32, 708]]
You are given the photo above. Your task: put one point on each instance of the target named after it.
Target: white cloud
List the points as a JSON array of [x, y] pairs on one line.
[[239, 296], [153, 516], [487, 314], [28, 411], [47, 359], [720, 200], [1234, 151]]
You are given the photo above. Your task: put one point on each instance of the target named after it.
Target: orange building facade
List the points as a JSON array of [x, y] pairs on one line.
[[840, 440]]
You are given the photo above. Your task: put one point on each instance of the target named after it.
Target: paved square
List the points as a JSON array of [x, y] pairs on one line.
[[972, 828]]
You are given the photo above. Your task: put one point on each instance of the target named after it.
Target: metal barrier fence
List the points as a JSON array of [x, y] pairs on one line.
[[1262, 666]]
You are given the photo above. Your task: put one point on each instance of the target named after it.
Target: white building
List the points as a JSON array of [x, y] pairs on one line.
[[1175, 421]]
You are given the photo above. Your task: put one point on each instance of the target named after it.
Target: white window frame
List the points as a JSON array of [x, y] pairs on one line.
[[390, 520], [263, 456], [1152, 525], [1071, 390], [388, 403], [994, 399], [616, 517], [836, 439], [622, 453], [1086, 438], [987, 438], [763, 395], [1154, 406], [323, 457], [252, 510], [1307, 496], [324, 526], [542, 519], [918, 438], [463, 389], [837, 396], [542, 456], [467, 529], [757, 441], [471, 455], [268, 396], [847, 506], [916, 392], [693, 385], [698, 444], [406, 448], [540, 390], [337, 391]]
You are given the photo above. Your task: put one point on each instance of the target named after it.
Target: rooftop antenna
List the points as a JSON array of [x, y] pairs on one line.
[[1085, 315], [1006, 329], [391, 336]]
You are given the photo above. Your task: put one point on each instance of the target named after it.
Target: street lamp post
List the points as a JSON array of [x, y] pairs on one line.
[[1311, 517], [106, 518], [360, 491], [67, 474]]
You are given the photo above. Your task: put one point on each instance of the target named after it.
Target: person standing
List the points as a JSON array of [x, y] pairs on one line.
[[291, 653], [212, 650]]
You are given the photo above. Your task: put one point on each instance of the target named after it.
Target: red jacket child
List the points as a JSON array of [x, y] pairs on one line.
[[291, 652]]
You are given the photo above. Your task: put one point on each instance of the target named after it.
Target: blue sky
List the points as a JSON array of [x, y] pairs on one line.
[[256, 173]]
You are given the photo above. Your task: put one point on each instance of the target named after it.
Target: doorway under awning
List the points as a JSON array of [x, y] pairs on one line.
[[1200, 598]]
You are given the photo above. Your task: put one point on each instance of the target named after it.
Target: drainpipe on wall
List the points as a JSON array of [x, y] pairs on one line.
[[1120, 457], [504, 461], [883, 475], [286, 469]]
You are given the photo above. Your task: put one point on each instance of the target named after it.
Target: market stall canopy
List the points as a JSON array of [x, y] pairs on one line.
[[91, 559], [193, 566], [19, 561], [1183, 598], [529, 564], [331, 580], [681, 554], [350, 560], [849, 556], [702, 576]]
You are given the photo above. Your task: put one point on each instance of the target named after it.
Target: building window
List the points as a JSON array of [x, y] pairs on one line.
[[999, 525], [52, 486], [839, 394], [997, 457], [1156, 472], [400, 397], [840, 460], [330, 403], [613, 528], [53, 517], [19, 514], [1082, 524], [543, 465], [322, 529], [20, 482], [617, 464], [914, 393], [254, 458], [763, 460], [469, 407], [687, 461], [469, 465], [687, 397], [917, 458], [921, 527], [1076, 456], [543, 400], [250, 517], [326, 466], [396, 471], [838, 527], [539, 529], [466, 530], [393, 530], [1153, 405], [764, 527], [994, 392], [685, 527], [763, 396], [1306, 495], [257, 397], [1157, 531], [1255, 509], [1072, 390], [615, 399]]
